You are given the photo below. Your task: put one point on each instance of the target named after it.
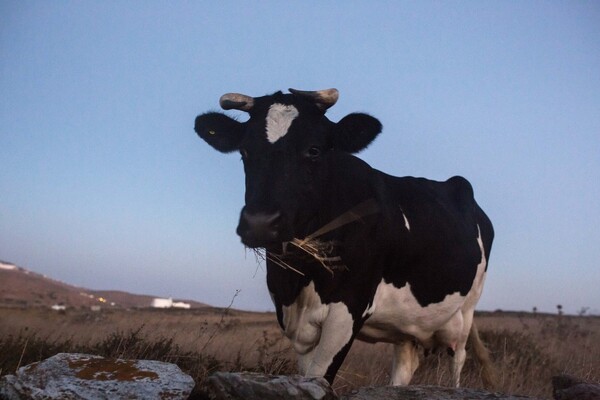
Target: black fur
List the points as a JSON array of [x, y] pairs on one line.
[[355, 132], [220, 131]]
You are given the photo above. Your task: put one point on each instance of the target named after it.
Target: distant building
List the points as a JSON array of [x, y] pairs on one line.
[[162, 303], [181, 304], [169, 303], [7, 266], [95, 308], [59, 307]]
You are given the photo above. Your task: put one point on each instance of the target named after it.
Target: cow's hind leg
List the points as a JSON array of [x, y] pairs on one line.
[[406, 361], [458, 362], [460, 352], [453, 335]]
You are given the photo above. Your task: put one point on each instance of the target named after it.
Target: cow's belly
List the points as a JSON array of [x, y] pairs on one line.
[[396, 315]]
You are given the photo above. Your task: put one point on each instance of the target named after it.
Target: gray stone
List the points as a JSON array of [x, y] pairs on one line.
[[253, 386], [84, 376], [422, 392], [566, 387], [248, 385]]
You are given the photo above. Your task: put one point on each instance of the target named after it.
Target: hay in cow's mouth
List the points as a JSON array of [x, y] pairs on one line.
[[263, 254], [321, 250]]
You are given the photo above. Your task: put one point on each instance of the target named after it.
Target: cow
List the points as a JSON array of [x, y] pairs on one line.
[[352, 252]]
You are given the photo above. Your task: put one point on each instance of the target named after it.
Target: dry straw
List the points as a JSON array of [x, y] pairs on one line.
[[322, 250]]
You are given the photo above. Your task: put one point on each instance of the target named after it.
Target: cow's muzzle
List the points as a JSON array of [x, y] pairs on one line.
[[259, 229]]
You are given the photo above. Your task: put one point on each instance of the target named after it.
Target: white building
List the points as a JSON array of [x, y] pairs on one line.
[[181, 304], [169, 303], [7, 266], [162, 303]]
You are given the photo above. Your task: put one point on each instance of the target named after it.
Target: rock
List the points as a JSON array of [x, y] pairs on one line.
[[566, 387], [84, 376], [248, 385], [422, 392], [252, 386]]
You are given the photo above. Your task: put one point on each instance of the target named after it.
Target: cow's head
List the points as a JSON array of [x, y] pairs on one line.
[[294, 158]]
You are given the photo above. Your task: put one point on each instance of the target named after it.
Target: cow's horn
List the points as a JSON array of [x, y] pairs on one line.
[[236, 101], [323, 98]]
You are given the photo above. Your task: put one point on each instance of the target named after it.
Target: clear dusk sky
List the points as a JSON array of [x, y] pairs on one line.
[[104, 183]]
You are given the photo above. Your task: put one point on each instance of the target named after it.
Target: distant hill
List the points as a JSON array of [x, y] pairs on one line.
[[20, 287]]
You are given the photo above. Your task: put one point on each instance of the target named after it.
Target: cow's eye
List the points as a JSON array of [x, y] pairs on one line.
[[313, 152]]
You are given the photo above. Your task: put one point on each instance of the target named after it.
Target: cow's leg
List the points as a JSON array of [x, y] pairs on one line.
[[467, 312], [406, 361], [337, 333], [453, 335], [460, 353]]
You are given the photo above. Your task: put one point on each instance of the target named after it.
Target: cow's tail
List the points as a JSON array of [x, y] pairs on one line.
[[489, 375]]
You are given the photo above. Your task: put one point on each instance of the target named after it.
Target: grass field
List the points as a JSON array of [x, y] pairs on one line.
[[527, 349]]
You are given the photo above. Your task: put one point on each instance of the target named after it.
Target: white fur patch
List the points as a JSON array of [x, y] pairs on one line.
[[369, 310], [317, 331], [406, 224], [396, 311], [336, 333], [477, 288], [279, 120], [303, 319]]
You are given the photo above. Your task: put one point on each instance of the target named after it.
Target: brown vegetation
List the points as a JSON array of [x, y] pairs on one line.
[[527, 349]]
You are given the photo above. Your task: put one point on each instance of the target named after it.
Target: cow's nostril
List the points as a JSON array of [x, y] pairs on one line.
[[261, 219], [259, 228]]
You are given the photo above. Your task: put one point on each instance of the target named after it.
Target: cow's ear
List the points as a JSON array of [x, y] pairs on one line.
[[355, 132], [220, 131]]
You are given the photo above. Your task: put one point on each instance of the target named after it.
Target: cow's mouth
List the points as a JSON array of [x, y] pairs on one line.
[[253, 243], [261, 230]]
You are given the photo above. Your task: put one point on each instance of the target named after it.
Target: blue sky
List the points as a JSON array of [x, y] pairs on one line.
[[104, 184]]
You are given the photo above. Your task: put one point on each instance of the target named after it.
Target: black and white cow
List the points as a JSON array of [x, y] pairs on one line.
[[398, 260]]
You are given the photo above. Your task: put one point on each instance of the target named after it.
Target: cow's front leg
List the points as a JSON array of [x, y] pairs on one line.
[[337, 333]]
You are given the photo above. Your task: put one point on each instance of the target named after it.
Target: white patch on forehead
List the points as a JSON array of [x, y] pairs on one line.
[[279, 120]]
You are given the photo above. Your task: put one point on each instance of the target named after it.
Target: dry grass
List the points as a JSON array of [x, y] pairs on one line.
[[320, 251], [526, 349]]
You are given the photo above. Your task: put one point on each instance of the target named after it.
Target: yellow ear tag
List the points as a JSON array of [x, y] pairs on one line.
[[211, 132]]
